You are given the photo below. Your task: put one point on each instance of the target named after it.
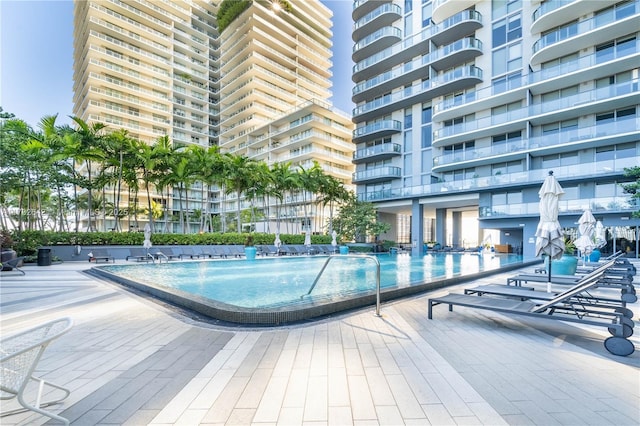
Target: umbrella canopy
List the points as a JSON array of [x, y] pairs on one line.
[[586, 227], [147, 237], [549, 237], [307, 239], [334, 235], [277, 241]]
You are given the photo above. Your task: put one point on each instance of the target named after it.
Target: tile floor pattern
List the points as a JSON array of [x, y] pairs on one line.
[[131, 361]]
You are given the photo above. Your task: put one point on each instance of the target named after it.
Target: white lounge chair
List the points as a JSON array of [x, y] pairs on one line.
[[19, 356]]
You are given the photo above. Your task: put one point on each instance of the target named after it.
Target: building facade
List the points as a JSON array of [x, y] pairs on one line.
[[463, 107], [163, 68]]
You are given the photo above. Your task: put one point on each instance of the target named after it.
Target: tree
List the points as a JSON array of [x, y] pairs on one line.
[[633, 188], [239, 178], [358, 220]]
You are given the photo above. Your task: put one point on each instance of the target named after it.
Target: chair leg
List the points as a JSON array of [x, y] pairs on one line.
[[37, 407]]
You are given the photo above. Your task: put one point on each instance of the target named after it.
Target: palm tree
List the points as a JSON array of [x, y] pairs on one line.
[[309, 180], [239, 178], [283, 182], [89, 148]]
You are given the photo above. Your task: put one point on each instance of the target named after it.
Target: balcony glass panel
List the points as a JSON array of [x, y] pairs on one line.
[[377, 149], [378, 172], [585, 26]]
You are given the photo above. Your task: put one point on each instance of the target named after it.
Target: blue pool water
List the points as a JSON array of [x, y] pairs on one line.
[[284, 281]]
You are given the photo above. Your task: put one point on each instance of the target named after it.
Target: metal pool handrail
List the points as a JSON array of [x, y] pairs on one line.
[[375, 260]]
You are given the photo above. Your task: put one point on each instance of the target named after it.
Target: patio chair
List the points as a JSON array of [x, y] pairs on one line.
[[14, 264], [167, 253], [19, 357], [565, 306], [139, 255], [188, 251], [96, 255], [268, 250]]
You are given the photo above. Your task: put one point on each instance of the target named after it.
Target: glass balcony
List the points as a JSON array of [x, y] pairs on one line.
[[597, 205], [380, 39], [377, 152], [591, 170], [585, 26], [377, 130], [582, 63], [378, 174], [549, 6], [381, 16]]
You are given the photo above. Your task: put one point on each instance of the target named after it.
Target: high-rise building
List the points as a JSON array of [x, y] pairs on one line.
[[463, 107], [156, 68], [275, 83]]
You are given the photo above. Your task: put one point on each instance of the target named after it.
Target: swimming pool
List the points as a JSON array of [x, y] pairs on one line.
[[274, 290]]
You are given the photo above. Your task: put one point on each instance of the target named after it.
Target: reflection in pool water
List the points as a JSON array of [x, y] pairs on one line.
[[282, 281]]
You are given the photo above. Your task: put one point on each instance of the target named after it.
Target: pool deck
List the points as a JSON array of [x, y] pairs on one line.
[[132, 361]]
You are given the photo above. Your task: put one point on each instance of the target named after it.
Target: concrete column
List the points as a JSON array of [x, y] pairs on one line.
[[457, 229], [441, 226], [417, 229]]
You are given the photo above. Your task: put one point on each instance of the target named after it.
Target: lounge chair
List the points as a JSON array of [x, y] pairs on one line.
[[565, 306], [268, 250], [19, 357], [96, 255], [611, 277], [167, 253], [188, 251], [14, 264], [139, 255]]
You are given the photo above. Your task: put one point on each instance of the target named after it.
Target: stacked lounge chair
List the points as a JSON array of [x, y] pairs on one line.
[[575, 304]]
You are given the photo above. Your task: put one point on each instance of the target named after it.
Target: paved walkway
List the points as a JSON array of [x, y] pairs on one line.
[[132, 361]]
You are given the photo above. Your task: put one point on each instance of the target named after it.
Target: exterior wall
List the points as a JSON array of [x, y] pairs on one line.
[[469, 104]]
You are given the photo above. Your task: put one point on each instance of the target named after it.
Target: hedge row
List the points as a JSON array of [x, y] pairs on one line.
[[26, 243]]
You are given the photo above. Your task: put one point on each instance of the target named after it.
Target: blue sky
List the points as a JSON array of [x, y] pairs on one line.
[[36, 57]]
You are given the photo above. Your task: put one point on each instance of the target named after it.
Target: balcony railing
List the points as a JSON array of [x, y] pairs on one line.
[[372, 151], [597, 205], [581, 63], [583, 27], [590, 170], [377, 173], [380, 126], [549, 6]]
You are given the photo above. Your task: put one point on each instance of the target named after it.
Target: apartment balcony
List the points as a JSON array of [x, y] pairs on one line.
[[600, 170], [442, 9], [363, 7], [382, 16], [458, 79], [379, 129], [379, 174], [554, 13], [449, 30], [398, 54], [584, 103], [458, 52], [377, 153], [599, 29], [584, 68], [624, 205], [375, 42]]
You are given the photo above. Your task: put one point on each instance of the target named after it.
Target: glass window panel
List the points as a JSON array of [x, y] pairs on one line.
[[426, 136]]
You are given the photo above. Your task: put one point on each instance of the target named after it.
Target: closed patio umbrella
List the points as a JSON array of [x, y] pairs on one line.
[[307, 239], [549, 237], [599, 235], [277, 241], [147, 237], [586, 227]]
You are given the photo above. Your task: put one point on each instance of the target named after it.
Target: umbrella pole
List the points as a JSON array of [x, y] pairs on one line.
[[549, 280]]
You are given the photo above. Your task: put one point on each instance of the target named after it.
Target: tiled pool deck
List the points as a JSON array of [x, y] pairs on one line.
[[129, 360]]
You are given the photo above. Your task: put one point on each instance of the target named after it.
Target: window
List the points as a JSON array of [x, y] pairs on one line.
[[426, 114], [408, 118], [505, 7], [615, 49], [408, 164], [426, 138], [507, 59], [617, 115], [507, 30], [408, 6], [507, 82], [408, 141], [408, 25], [426, 15]]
